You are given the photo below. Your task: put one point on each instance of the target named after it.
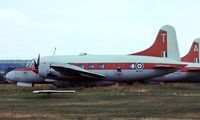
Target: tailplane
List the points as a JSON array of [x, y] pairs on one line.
[[165, 45], [193, 54]]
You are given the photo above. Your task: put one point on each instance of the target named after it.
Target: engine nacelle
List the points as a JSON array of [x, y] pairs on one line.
[[46, 71], [23, 75]]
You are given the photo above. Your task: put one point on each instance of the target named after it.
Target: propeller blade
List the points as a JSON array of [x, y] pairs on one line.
[[38, 61], [36, 64]]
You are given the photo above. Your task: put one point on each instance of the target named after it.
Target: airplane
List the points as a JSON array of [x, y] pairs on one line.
[[188, 73], [98, 70]]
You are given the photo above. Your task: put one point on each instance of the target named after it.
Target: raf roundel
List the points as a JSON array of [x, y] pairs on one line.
[[139, 66]]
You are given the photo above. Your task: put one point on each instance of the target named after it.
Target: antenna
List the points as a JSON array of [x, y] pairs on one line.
[[54, 52]]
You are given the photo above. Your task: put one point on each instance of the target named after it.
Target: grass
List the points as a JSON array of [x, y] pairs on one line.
[[143, 102]]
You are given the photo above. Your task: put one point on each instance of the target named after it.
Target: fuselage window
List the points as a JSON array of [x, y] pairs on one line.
[[81, 66], [91, 66], [132, 66], [101, 66]]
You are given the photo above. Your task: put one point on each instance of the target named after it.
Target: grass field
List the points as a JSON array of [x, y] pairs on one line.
[[148, 102]]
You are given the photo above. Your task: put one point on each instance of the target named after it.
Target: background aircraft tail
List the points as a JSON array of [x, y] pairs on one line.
[[165, 45], [193, 54]]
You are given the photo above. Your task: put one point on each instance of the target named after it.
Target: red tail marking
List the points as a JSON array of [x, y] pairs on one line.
[[193, 54], [157, 48]]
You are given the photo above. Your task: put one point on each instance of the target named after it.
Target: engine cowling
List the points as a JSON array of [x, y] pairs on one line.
[[46, 71]]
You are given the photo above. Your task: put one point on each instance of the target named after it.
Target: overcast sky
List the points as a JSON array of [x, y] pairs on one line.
[[30, 27]]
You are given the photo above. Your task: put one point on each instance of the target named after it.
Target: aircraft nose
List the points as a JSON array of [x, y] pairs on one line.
[[10, 76]]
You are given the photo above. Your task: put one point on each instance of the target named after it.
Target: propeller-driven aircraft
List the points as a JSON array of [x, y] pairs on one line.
[[91, 70]]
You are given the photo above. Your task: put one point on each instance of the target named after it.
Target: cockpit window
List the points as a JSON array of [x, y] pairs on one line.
[[30, 64]]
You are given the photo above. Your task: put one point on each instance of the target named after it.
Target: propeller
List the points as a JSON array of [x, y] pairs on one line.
[[36, 65], [38, 61]]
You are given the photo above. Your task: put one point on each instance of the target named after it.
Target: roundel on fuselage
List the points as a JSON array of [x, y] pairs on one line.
[[139, 66]]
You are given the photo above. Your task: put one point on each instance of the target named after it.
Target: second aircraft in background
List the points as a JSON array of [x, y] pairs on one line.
[[190, 73]]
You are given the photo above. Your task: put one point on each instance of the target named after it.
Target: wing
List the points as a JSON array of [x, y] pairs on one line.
[[193, 69], [72, 70]]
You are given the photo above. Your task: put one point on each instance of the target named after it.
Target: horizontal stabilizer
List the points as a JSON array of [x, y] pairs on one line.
[[165, 66], [193, 69], [53, 91]]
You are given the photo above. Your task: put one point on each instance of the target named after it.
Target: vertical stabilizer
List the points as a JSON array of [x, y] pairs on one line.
[[193, 54], [165, 45]]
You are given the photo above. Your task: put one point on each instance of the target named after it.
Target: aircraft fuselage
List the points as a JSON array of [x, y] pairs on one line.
[[116, 68]]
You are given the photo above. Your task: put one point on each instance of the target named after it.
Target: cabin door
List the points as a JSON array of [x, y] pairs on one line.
[[119, 73]]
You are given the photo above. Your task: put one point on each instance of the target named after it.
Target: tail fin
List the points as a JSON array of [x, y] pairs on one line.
[[193, 54], [165, 45]]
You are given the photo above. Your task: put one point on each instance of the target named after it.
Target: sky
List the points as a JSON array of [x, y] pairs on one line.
[[32, 27]]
